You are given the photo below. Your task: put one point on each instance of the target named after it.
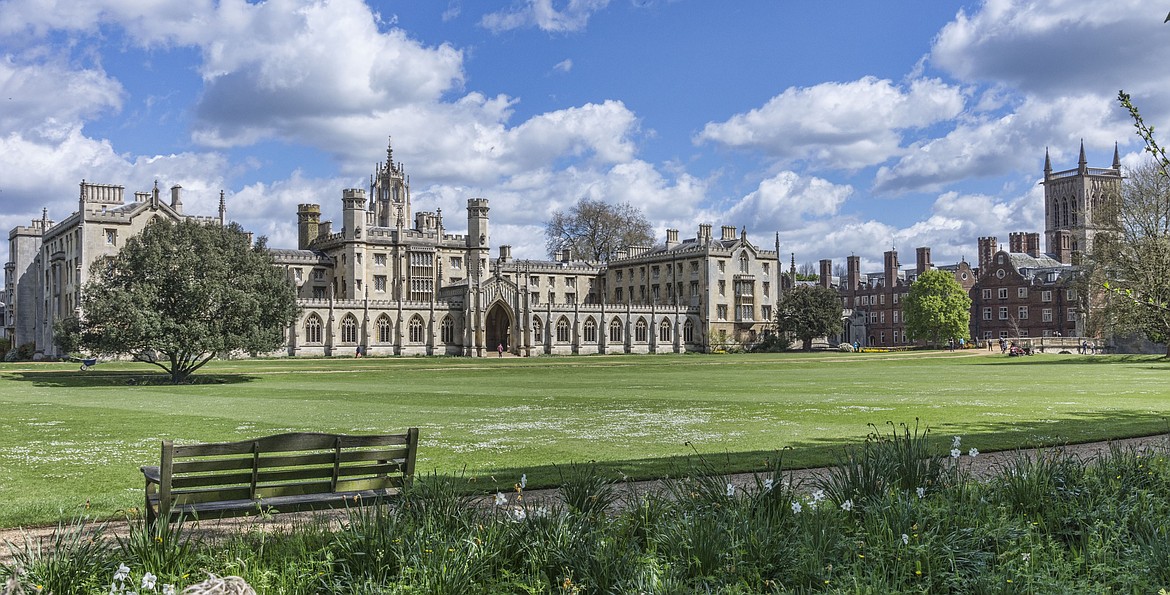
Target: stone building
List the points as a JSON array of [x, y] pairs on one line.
[[50, 261], [378, 286]]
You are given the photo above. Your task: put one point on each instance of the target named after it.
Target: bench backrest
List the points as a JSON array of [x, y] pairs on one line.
[[284, 465]]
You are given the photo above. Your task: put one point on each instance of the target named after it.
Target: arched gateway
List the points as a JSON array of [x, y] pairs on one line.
[[498, 328]]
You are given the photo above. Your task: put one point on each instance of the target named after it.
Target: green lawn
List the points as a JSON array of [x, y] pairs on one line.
[[68, 437]]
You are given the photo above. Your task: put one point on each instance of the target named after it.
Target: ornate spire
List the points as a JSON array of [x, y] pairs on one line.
[[1047, 163], [390, 153], [222, 210], [1116, 157], [1082, 163]]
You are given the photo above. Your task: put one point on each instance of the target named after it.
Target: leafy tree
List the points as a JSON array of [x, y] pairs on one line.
[[937, 308], [1131, 253], [808, 312], [596, 230], [179, 294]]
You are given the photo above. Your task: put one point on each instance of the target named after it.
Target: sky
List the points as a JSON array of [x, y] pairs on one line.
[[846, 127]]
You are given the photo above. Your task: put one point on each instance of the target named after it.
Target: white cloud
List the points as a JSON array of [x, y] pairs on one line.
[[564, 65], [35, 91], [787, 201], [574, 16], [838, 125], [990, 146]]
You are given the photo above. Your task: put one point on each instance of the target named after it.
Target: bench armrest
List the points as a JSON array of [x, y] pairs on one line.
[[152, 474]]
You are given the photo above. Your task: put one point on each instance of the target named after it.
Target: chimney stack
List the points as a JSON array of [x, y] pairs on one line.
[[826, 276], [922, 261]]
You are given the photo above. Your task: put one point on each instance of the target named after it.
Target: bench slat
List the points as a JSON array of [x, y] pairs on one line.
[[245, 462], [282, 475], [289, 442]]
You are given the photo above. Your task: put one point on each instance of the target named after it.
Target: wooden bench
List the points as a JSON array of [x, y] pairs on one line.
[[282, 473]]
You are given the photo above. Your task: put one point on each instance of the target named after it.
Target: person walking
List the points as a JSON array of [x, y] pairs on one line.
[[500, 349]]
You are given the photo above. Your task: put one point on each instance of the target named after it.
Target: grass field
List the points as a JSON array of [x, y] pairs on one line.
[[68, 437]]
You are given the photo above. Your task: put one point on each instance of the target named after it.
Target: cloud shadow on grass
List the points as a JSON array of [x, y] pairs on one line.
[[90, 379]]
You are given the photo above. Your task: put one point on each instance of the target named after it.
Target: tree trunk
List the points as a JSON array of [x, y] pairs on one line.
[[806, 345]]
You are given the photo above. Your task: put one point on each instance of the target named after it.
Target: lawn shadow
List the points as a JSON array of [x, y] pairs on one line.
[[1005, 360], [1075, 428], [78, 379]]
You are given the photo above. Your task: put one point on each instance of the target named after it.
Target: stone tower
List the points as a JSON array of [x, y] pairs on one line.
[[478, 237], [1071, 201], [390, 193]]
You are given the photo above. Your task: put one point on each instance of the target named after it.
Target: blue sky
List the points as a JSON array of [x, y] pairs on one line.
[[847, 127]]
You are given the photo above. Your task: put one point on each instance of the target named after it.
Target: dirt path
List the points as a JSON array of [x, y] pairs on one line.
[[983, 465]]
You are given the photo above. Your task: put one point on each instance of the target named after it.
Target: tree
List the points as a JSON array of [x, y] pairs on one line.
[[596, 230], [179, 294], [808, 312], [937, 308], [1131, 253]]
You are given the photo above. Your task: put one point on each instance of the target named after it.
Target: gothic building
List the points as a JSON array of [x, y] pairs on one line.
[[389, 283]]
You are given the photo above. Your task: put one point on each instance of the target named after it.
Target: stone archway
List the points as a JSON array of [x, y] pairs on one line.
[[498, 328]]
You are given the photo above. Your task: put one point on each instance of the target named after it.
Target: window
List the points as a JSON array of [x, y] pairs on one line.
[[664, 331], [552, 281], [986, 334], [1072, 315], [318, 293], [297, 275], [1003, 293], [318, 274], [882, 318], [766, 312], [615, 330], [111, 237], [379, 282], [722, 266], [619, 275], [640, 333], [654, 272], [767, 289], [534, 281], [882, 299], [1046, 315], [456, 262], [1003, 313], [694, 288], [416, 329], [896, 316], [654, 293], [896, 297], [1022, 312], [590, 330], [694, 266], [1003, 334], [379, 260], [689, 331], [313, 329], [1046, 296], [384, 335], [617, 294], [357, 258], [873, 317], [986, 294], [721, 311], [571, 282], [562, 330], [987, 314], [349, 329], [746, 312], [722, 288], [1070, 294], [743, 263], [447, 330], [1022, 292], [570, 298], [534, 297]]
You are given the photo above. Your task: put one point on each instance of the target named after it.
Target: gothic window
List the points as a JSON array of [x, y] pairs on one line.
[[743, 263], [664, 331], [563, 330], [590, 330], [313, 329], [416, 329], [349, 329], [640, 333], [615, 330], [384, 329], [689, 331], [447, 330]]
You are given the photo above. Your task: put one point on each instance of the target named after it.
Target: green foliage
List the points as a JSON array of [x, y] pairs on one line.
[[179, 294], [808, 312], [936, 308], [585, 489], [67, 335], [1052, 524], [165, 549], [773, 343], [595, 230]]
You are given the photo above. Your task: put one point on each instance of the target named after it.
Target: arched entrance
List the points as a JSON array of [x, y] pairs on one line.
[[498, 328]]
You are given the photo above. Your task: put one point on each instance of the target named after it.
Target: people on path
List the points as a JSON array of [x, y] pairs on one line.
[[500, 349]]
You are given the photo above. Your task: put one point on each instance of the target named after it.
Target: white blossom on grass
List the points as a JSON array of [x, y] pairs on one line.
[[523, 480], [501, 499], [768, 485], [921, 492], [973, 452], [847, 505], [955, 453], [148, 581], [956, 441], [730, 490], [796, 508], [905, 539]]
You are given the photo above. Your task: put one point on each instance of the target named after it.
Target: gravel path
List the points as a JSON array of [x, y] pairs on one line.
[[984, 465]]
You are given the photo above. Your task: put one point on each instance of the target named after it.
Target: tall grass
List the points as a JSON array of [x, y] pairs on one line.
[[1041, 524]]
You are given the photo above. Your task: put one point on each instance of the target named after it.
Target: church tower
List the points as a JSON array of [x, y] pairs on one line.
[[1072, 199], [390, 193]]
